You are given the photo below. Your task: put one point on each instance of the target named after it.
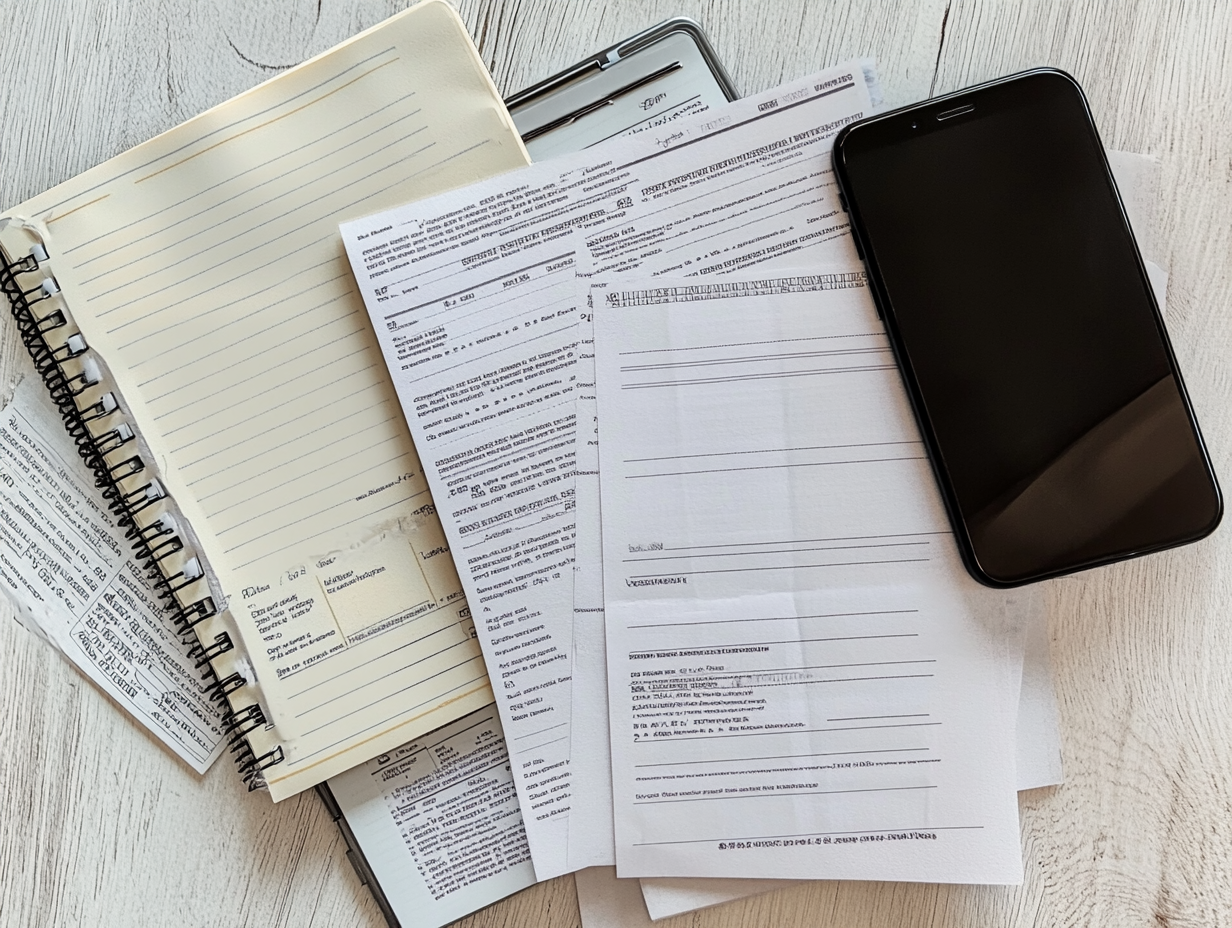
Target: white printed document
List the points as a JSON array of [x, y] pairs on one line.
[[68, 568], [438, 822], [473, 300], [1038, 740], [591, 841], [803, 680]]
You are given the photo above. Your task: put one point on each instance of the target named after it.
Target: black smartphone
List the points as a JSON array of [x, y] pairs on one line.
[[1003, 265]]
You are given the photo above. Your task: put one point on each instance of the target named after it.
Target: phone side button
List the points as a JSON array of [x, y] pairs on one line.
[[842, 201], [859, 250]]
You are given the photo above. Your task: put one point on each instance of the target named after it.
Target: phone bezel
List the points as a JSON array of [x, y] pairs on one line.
[[923, 117]]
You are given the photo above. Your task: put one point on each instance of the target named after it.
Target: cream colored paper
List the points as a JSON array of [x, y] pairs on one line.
[[205, 267]]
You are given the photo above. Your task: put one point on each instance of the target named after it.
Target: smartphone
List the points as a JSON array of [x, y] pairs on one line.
[[1002, 263], [662, 74]]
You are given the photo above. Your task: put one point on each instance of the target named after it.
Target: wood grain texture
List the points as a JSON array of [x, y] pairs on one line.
[[100, 826]]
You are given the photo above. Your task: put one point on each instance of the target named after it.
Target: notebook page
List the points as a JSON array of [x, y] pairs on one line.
[[205, 266]]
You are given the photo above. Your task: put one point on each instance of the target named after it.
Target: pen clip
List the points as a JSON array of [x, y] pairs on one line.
[[605, 101]]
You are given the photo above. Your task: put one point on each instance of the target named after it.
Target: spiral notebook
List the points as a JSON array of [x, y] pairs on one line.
[[189, 307]]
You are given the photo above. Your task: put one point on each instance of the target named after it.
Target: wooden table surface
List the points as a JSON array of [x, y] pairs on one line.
[[100, 826]]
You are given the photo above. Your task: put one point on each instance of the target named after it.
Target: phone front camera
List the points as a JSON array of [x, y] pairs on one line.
[[915, 125]]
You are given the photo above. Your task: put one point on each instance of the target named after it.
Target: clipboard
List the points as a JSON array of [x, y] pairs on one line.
[[651, 79]]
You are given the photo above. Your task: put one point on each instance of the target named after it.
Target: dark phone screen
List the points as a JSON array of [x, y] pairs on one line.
[[1013, 287]]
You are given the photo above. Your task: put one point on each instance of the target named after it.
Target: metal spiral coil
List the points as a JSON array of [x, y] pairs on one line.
[[149, 549]]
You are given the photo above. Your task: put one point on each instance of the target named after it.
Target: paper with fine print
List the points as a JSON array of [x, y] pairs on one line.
[[591, 839], [472, 298], [70, 573], [803, 680], [608, 902], [1037, 739], [438, 821]]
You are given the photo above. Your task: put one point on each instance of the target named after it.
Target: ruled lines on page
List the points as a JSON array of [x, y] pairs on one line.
[[438, 821], [472, 296], [803, 682], [263, 389], [206, 266]]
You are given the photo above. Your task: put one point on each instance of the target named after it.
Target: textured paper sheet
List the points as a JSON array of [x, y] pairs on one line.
[[438, 821], [68, 569], [205, 267]]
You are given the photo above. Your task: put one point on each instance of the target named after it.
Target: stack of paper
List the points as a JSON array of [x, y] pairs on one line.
[[732, 639], [801, 679]]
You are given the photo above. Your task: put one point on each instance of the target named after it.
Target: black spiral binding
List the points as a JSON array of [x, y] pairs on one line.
[[153, 542]]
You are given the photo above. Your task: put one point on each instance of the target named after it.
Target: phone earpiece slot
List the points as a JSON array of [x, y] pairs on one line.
[[957, 111]]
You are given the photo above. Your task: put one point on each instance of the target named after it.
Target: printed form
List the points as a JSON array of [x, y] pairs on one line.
[[68, 568], [803, 681], [473, 299], [438, 821], [812, 204]]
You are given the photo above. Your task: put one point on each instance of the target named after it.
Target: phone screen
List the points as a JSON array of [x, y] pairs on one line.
[[1026, 330]]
